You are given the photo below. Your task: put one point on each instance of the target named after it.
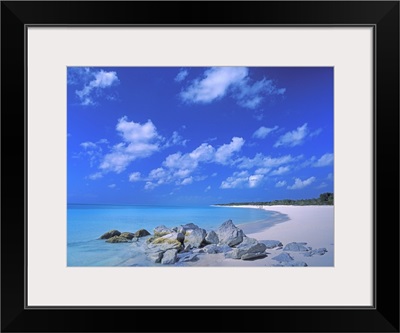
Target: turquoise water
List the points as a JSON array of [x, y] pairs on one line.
[[85, 224]]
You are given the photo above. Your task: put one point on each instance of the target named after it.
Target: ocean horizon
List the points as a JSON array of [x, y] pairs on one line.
[[87, 222]]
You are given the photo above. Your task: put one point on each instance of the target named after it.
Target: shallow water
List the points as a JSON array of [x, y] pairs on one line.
[[85, 224]]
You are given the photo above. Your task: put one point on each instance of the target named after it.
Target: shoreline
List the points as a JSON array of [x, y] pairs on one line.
[[300, 219], [313, 225]]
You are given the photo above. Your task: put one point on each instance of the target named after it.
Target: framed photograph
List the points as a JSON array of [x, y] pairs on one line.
[[230, 161]]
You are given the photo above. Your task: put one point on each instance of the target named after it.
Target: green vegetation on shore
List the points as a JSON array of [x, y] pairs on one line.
[[324, 199]]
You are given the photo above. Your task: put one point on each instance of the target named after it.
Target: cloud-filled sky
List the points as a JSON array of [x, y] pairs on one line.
[[196, 135]]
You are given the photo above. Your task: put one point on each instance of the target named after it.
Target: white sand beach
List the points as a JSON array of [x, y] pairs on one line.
[[313, 225]]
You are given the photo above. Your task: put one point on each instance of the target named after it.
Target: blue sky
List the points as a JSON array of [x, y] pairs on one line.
[[197, 135]]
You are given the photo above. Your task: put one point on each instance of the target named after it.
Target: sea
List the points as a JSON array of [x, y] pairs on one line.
[[86, 223]]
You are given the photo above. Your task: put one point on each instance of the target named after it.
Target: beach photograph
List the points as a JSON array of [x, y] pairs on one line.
[[200, 167]]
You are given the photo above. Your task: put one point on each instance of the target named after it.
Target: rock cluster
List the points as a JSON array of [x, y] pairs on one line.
[[186, 243], [115, 236], [306, 250]]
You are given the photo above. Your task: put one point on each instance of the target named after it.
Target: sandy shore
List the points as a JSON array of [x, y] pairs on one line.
[[313, 225]]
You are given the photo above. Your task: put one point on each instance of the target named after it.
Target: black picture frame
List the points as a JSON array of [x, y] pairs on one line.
[[383, 316]]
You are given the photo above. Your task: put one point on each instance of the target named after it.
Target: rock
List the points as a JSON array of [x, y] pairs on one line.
[[155, 256], [197, 251], [118, 239], [211, 249], [188, 226], [247, 247], [185, 257], [252, 256], [164, 243], [297, 247], [162, 230], [127, 235], [169, 257], [283, 257], [230, 255], [212, 238], [174, 236], [292, 264], [229, 234], [195, 237], [110, 234], [271, 244], [321, 251], [141, 233], [180, 237], [224, 248]]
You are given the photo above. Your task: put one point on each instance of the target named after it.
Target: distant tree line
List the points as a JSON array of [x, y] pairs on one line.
[[324, 199]]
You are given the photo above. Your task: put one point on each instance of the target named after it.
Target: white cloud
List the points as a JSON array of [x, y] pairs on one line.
[[316, 132], [207, 188], [242, 179], [104, 79], [255, 180], [281, 170], [308, 162], [258, 116], [117, 161], [322, 185], [262, 161], [136, 132], [225, 152], [135, 177], [112, 186], [186, 181], [218, 82], [98, 81], [158, 173], [299, 184], [330, 176], [179, 161], [262, 132], [250, 95], [262, 171], [176, 140], [280, 183], [179, 168], [95, 176], [140, 141], [77, 75], [181, 75], [293, 138], [181, 173], [88, 145], [205, 152], [93, 151], [238, 179], [150, 186], [324, 160], [214, 84], [102, 141]]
